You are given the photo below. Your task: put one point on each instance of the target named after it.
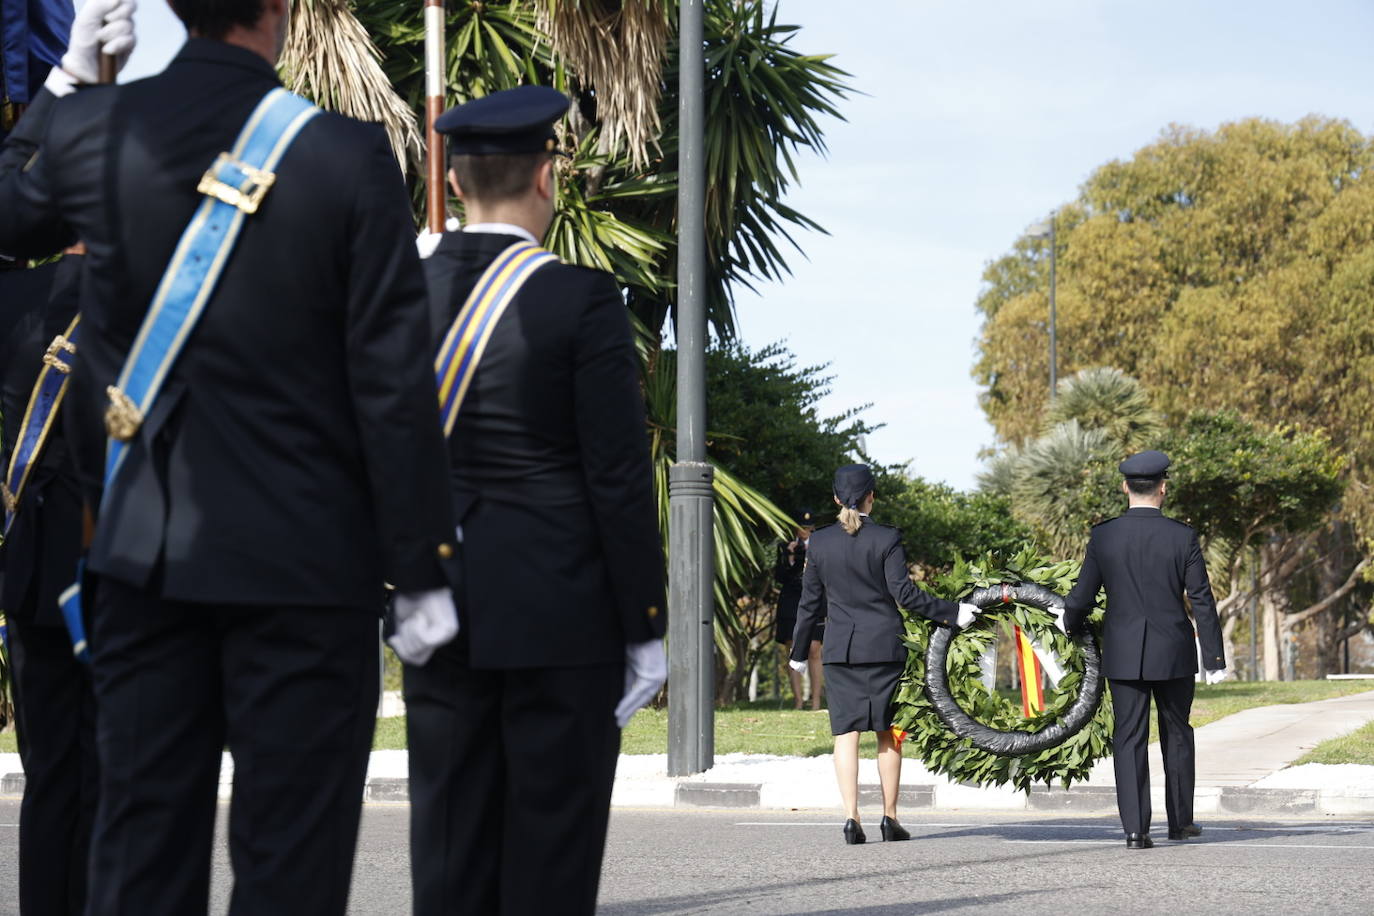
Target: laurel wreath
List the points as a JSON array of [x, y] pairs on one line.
[[1060, 743]]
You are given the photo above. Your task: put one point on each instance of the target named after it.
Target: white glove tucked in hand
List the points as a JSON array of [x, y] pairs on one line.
[[424, 622], [967, 614], [100, 27], [646, 671], [1217, 675], [796, 665], [1058, 613], [427, 241]]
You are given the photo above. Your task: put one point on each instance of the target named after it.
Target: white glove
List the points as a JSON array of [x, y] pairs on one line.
[[424, 622], [427, 241], [796, 665], [1058, 613], [100, 27], [646, 671], [967, 614], [1217, 675]]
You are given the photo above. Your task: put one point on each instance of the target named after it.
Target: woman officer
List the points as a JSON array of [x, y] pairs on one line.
[[856, 573]]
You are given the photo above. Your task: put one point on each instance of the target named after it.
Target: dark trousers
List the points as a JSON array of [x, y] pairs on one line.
[[510, 785], [292, 691], [1130, 749], [55, 719]]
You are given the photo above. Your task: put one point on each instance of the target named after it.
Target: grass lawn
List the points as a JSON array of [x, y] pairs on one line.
[[763, 728], [1356, 747]]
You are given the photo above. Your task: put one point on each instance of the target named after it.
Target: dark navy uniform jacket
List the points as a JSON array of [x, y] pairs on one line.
[[857, 582], [1148, 563], [38, 559], [788, 574], [296, 452], [550, 472]]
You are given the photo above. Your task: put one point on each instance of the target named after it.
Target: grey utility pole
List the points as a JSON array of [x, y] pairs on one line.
[[691, 639], [1054, 337], [1047, 231]]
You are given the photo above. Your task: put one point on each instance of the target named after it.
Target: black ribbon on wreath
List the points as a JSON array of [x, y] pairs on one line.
[[1013, 743]]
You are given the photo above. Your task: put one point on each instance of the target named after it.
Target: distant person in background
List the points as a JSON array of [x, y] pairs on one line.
[[856, 573], [788, 574]]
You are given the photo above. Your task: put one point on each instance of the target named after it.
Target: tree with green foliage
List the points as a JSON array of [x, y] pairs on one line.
[[942, 526], [1231, 271], [1227, 270]]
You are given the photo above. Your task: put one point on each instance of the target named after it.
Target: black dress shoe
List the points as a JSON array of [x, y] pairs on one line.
[[891, 830], [1184, 832], [1139, 841], [853, 833]]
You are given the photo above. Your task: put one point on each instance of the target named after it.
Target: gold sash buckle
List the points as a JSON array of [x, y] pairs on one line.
[[246, 187], [11, 501], [58, 346], [122, 417]]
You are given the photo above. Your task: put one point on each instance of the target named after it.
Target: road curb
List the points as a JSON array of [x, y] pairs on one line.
[[1081, 799], [1235, 800]]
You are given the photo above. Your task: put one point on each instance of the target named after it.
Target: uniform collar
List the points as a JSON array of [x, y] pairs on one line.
[[1144, 511], [519, 232], [208, 50], [474, 244]]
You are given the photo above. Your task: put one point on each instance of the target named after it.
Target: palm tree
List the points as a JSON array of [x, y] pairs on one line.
[[1110, 400], [1063, 485]]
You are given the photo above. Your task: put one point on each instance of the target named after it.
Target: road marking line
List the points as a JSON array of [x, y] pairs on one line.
[[1247, 844], [1322, 829]]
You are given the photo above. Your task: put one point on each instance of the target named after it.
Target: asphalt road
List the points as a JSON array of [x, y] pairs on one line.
[[690, 861]]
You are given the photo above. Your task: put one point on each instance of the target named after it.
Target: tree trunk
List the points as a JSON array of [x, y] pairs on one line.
[[1273, 667]]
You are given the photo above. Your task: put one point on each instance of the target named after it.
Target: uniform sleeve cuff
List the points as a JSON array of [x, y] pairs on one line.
[[60, 82]]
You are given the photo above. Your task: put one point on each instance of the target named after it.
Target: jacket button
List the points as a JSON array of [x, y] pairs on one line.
[[445, 551], [652, 611]]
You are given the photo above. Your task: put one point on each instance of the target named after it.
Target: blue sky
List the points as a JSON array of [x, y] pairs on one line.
[[973, 119]]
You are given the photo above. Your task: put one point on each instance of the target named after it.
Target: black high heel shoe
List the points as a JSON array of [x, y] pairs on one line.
[[853, 833], [891, 830]]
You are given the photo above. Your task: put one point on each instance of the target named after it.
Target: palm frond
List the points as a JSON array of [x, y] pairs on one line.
[[330, 59], [616, 49]]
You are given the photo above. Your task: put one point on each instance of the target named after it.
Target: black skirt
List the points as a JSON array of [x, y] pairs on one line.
[[860, 696]]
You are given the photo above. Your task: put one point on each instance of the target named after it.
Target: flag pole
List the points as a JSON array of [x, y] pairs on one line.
[[436, 196]]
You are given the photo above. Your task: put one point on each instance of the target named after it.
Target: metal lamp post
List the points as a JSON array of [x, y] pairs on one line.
[[1046, 230], [691, 633]]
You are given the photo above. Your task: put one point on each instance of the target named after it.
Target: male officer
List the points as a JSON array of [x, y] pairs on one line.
[[1148, 563], [514, 729], [288, 465], [54, 705]]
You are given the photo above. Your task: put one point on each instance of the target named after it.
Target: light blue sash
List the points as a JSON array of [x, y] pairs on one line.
[[234, 187]]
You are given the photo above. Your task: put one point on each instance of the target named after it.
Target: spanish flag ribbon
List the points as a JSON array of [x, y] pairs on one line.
[[1028, 665], [898, 736]]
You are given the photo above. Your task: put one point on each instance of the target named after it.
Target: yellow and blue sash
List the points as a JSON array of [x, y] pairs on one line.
[[467, 338], [234, 187], [39, 416]]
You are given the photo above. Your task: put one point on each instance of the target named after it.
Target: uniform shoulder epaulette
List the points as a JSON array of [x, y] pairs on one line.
[[1106, 521], [1178, 522]]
